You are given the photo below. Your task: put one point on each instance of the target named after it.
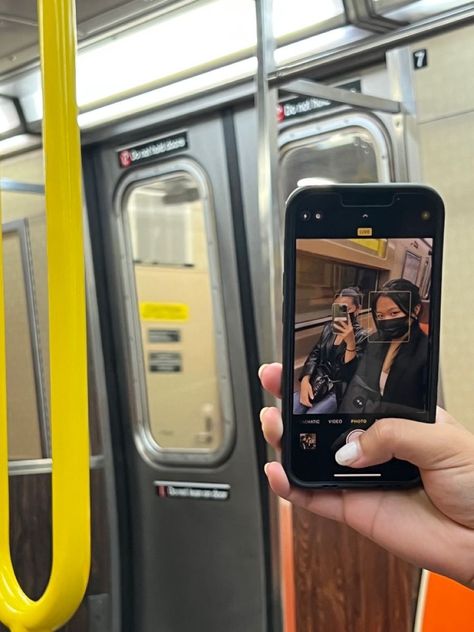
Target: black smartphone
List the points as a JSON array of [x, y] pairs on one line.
[[377, 249]]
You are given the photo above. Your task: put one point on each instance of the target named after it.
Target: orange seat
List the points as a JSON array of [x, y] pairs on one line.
[[425, 328], [449, 607]]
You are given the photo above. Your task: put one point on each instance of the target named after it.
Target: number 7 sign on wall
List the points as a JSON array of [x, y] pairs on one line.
[[420, 58]]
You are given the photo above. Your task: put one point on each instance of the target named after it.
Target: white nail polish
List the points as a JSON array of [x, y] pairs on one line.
[[261, 370], [348, 453]]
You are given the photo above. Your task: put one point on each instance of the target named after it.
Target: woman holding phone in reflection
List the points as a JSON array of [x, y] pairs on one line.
[[341, 343], [391, 376]]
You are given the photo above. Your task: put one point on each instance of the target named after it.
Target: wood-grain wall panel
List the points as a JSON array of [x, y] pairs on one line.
[[346, 583]]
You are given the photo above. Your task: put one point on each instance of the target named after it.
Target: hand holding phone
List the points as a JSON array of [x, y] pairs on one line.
[[442, 510]]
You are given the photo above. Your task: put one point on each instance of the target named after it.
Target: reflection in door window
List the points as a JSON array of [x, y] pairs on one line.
[[319, 280], [161, 222], [344, 155], [169, 241]]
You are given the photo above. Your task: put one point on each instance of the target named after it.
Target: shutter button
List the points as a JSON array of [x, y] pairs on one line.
[[354, 434]]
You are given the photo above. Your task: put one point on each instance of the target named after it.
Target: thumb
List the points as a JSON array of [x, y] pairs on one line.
[[427, 445]]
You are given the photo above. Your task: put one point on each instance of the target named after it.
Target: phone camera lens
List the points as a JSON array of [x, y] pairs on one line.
[[425, 215], [305, 216], [318, 215]]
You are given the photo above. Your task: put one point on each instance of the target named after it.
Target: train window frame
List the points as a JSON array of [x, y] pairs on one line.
[[146, 444], [34, 190], [20, 229], [304, 132]]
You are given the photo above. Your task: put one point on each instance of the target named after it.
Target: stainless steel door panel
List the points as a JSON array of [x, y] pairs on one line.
[[195, 564]]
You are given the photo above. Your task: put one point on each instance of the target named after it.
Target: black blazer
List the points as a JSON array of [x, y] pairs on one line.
[[407, 380]]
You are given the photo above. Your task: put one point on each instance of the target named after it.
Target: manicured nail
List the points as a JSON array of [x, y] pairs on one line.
[[261, 370], [348, 453], [262, 412]]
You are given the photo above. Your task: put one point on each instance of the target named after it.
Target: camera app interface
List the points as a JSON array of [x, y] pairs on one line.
[[362, 326]]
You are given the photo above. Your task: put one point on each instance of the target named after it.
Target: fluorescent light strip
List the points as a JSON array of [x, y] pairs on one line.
[[163, 96], [209, 32], [244, 69], [176, 42], [155, 51], [192, 37]]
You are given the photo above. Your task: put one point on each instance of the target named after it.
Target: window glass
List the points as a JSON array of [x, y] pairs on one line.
[[345, 155], [25, 440], [171, 263], [26, 311], [22, 203]]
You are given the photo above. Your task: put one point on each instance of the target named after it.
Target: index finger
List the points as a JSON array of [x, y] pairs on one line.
[[270, 377]]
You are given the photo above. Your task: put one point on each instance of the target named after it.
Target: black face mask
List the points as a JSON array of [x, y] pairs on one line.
[[394, 327]]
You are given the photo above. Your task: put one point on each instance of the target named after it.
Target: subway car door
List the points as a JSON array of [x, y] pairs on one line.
[[341, 580], [181, 366]]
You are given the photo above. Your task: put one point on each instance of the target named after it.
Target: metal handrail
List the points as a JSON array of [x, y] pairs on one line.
[[68, 350]]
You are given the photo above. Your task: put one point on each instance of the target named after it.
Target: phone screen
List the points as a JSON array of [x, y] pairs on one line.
[[364, 327]]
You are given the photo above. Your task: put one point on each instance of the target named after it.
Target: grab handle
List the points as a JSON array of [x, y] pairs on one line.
[[68, 348]]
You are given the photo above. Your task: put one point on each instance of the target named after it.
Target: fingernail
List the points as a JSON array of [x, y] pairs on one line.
[[261, 370], [265, 468], [262, 412], [348, 453]]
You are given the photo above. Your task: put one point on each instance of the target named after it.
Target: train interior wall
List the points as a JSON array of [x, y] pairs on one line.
[[444, 94]]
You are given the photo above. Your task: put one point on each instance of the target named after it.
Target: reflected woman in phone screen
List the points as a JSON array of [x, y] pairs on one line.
[[391, 377], [340, 345]]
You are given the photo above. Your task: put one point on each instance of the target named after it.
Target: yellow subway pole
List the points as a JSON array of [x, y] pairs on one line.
[[68, 351]]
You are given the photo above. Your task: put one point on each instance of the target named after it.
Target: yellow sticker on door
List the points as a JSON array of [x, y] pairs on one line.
[[164, 311]]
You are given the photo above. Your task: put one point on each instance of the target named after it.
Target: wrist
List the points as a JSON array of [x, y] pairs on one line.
[[351, 341]]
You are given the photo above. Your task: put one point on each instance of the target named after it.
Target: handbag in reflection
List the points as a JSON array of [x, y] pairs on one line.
[[321, 384]]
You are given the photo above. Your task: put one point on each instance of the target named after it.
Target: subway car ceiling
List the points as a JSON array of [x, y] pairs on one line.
[[172, 51]]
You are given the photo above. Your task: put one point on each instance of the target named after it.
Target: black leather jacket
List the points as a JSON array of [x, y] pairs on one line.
[[330, 358]]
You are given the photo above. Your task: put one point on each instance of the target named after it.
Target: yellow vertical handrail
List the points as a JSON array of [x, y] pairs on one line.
[[68, 351]]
